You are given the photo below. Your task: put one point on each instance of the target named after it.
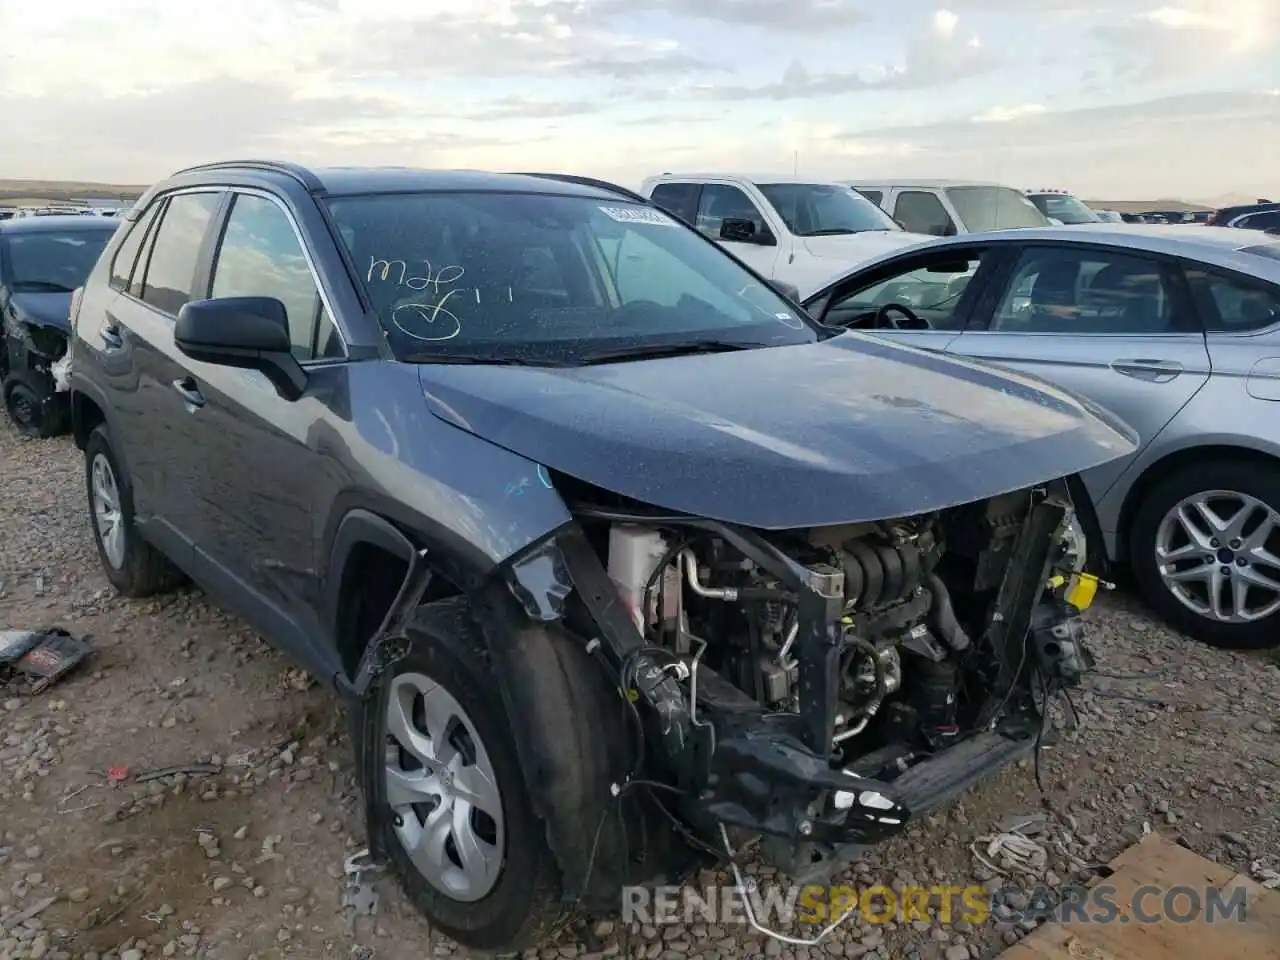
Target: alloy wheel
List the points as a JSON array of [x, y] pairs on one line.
[[1218, 553], [106, 510]]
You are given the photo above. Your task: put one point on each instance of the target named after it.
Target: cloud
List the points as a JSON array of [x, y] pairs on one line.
[[151, 134], [935, 54], [790, 16], [627, 87], [333, 44], [1102, 148], [1157, 42], [523, 108], [1006, 114]]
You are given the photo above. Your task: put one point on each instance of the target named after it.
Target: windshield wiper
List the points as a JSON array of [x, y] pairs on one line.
[[485, 359], [829, 232], [643, 351]]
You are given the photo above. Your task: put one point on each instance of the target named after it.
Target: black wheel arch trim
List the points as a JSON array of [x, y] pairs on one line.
[[1096, 558], [361, 519], [81, 385]]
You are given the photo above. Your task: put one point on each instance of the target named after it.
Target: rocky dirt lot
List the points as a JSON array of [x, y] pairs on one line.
[[243, 857]]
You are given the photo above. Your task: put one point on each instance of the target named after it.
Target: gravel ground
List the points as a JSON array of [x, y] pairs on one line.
[[248, 861]]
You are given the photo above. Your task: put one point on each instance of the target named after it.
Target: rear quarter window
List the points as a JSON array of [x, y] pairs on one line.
[[126, 257]]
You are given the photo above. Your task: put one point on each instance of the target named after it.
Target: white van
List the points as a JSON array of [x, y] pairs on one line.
[[945, 208], [796, 231]]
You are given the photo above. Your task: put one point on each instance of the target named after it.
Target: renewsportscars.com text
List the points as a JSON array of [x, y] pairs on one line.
[[778, 905]]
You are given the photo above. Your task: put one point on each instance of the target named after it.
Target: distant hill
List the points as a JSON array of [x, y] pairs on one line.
[[18, 192], [1147, 206]]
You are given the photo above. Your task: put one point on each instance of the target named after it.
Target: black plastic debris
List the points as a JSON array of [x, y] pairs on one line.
[[46, 656]]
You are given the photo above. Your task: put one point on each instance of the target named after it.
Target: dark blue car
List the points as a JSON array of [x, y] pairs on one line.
[[619, 558], [42, 262]]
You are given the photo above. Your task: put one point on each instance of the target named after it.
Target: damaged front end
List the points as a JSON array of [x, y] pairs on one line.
[[816, 689], [35, 366]]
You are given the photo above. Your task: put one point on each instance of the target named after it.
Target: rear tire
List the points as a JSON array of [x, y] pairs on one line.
[[134, 567], [512, 899], [1203, 562], [33, 408]]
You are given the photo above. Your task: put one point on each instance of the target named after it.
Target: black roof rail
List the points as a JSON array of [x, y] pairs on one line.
[[590, 182], [294, 170]]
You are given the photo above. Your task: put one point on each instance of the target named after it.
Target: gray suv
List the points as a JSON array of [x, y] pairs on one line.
[[610, 547]]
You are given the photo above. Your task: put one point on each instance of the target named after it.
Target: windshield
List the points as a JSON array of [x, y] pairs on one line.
[[1065, 208], [994, 208], [49, 262], [823, 210], [539, 277]]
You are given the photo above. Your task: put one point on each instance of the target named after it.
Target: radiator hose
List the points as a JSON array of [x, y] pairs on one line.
[[943, 617]]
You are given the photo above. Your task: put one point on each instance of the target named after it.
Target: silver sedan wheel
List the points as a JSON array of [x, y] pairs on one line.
[[1218, 553], [106, 510], [442, 789]]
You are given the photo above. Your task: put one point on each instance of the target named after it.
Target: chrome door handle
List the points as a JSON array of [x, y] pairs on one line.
[[189, 392], [1143, 368]]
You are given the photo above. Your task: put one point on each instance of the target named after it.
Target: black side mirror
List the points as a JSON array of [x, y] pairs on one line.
[[251, 333], [742, 230]]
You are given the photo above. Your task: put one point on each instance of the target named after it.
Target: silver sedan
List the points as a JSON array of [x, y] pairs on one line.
[[1176, 332]]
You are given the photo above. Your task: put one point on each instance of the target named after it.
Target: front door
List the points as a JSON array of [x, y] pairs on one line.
[[1112, 325], [256, 468], [723, 201], [922, 300]]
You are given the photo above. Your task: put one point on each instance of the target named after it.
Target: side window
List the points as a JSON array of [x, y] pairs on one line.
[[1060, 290], [875, 196], [922, 212], [1233, 306], [1269, 220], [678, 199], [720, 202], [175, 252], [933, 291], [260, 256], [122, 266]]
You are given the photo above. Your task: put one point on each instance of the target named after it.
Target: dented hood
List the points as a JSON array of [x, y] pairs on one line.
[[851, 429], [43, 309]]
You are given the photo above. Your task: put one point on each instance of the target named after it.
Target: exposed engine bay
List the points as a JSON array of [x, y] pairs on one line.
[[818, 688]]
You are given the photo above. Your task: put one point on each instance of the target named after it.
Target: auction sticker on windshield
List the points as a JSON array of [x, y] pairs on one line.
[[638, 215]]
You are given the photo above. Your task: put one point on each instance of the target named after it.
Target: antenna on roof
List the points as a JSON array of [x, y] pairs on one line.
[[795, 163]]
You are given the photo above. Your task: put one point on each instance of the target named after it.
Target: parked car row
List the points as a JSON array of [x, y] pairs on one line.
[[731, 508]]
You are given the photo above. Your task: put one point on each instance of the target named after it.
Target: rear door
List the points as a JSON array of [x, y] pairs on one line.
[[151, 423], [921, 211], [1113, 325], [678, 198]]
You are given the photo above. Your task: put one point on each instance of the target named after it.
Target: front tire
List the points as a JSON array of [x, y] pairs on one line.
[[1205, 552], [455, 816], [33, 408], [134, 567]]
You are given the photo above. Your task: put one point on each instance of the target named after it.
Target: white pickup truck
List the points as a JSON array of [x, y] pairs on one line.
[[790, 230]]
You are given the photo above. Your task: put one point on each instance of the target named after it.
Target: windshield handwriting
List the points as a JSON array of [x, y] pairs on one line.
[[429, 314], [434, 279], [432, 321]]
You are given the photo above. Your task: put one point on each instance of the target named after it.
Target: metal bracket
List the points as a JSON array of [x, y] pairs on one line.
[[359, 897]]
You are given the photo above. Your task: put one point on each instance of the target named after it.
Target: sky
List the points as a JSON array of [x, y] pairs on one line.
[[1114, 99]]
